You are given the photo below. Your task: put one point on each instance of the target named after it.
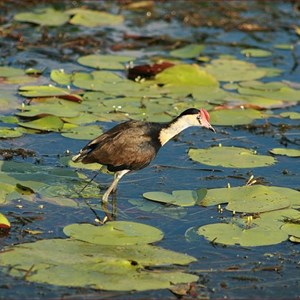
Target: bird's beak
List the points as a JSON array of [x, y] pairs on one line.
[[206, 124]]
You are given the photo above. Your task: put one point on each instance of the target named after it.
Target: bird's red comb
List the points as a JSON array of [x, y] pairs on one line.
[[204, 114]]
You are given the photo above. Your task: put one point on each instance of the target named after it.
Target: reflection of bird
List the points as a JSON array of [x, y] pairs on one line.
[[133, 145]]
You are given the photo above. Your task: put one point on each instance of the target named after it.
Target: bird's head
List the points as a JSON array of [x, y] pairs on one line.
[[198, 117]]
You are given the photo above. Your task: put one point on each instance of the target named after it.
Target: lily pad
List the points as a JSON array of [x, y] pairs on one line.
[[93, 18], [4, 223], [45, 17], [83, 132], [232, 70], [253, 52], [11, 72], [7, 132], [114, 233], [49, 123], [292, 229], [111, 62], [230, 157], [189, 51], [60, 77], [179, 198], [231, 117], [42, 91], [232, 234], [253, 199], [285, 151], [293, 115], [184, 74], [78, 264]]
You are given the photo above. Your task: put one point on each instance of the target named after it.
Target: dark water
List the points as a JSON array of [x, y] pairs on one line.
[[225, 272]]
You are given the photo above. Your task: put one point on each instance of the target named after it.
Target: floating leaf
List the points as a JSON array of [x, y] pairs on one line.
[[42, 91], [49, 123], [45, 17], [79, 264], [83, 132], [252, 52], [231, 117], [4, 223], [60, 77], [111, 62], [189, 51], [179, 198], [93, 18], [292, 229], [183, 74], [114, 233], [285, 151], [231, 234], [7, 132], [10, 72], [253, 199], [291, 114], [230, 157], [231, 70], [284, 46]]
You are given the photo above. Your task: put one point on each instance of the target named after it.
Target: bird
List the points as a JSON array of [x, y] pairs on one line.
[[132, 145]]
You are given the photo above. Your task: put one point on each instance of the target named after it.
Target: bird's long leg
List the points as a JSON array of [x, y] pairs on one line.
[[117, 177]]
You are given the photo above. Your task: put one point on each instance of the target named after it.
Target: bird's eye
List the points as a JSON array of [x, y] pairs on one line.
[[199, 118]]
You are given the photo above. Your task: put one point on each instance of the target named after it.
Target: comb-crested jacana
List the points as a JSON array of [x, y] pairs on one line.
[[132, 145]]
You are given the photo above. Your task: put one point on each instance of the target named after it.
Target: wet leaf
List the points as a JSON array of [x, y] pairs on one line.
[[49, 123], [292, 229], [78, 264], [230, 157], [45, 17], [4, 222], [83, 132], [179, 198], [253, 52], [184, 74], [253, 199], [8, 132], [110, 62], [224, 69], [42, 91], [114, 233], [10, 72], [231, 117], [291, 114], [60, 77], [232, 234], [93, 18], [189, 51], [285, 151]]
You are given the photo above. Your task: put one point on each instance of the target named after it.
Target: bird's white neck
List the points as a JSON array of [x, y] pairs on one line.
[[176, 126]]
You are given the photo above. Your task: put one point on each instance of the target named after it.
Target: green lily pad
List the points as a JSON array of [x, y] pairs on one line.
[[230, 157], [115, 233], [83, 132], [78, 264], [49, 123], [224, 69], [7, 132], [291, 114], [93, 18], [232, 234], [273, 90], [4, 223], [60, 77], [252, 52], [179, 198], [183, 74], [11, 72], [292, 229], [253, 199], [189, 51], [284, 46], [231, 117], [111, 62], [285, 151], [45, 17], [42, 91]]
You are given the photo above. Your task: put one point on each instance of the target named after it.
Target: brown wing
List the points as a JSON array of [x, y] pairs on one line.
[[131, 145]]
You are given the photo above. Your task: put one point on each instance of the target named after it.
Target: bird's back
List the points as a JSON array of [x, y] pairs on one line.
[[130, 145]]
